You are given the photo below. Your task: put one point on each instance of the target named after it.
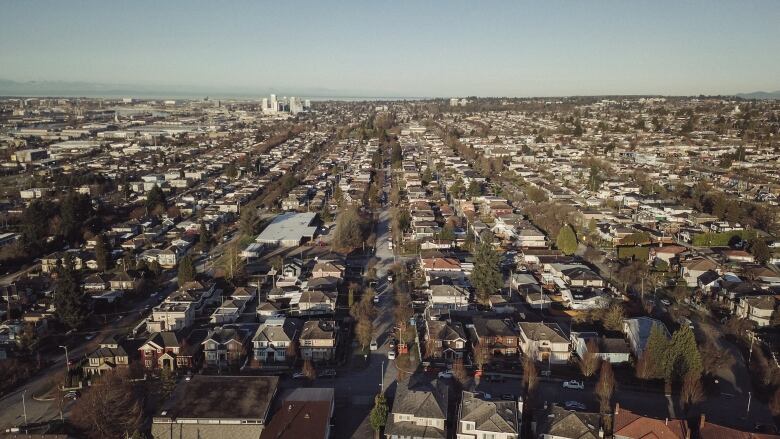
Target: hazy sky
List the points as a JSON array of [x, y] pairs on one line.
[[400, 48]]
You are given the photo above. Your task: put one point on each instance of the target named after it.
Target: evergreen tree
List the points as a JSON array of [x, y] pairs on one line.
[[567, 240], [70, 302], [655, 350], [475, 189], [101, 253], [682, 357], [186, 271], [205, 237], [486, 277], [75, 209], [378, 416]]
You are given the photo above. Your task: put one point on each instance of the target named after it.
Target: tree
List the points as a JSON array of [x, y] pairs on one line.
[[364, 331], [74, 211], [155, 198], [682, 357], [716, 358], [349, 231], [70, 303], [651, 363], [231, 171], [475, 189], [205, 237], [101, 253], [692, 392], [760, 251], [605, 387], [308, 370], [613, 318], [566, 240], [186, 270], [459, 373], [110, 408], [590, 361], [167, 383], [248, 221], [231, 262], [486, 277], [292, 351], [530, 375], [378, 416]]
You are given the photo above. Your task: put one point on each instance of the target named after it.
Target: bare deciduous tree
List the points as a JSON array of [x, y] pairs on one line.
[[110, 408], [459, 372], [589, 363], [308, 370], [605, 387], [692, 391]]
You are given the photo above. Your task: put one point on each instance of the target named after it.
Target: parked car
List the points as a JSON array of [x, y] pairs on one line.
[[391, 355], [484, 395], [574, 405], [445, 375], [508, 397], [376, 300], [298, 375], [573, 384], [389, 277], [331, 373], [373, 346], [392, 343], [666, 302], [73, 394]]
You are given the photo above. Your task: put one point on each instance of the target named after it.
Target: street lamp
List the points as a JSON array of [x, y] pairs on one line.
[[24, 407], [67, 360]]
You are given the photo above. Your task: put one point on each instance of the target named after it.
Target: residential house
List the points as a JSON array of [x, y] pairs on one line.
[[319, 340], [629, 425], [305, 413], [317, 303], [453, 297], [544, 342], [638, 329], [444, 340], [758, 309], [419, 410], [273, 339], [228, 312], [494, 337], [224, 347], [691, 269], [95, 282], [170, 316], [124, 281], [168, 350], [479, 419], [107, 357], [328, 269], [612, 349], [558, 423], [239, 409]]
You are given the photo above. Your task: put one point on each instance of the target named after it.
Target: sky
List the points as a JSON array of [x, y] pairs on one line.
[[422, 48]]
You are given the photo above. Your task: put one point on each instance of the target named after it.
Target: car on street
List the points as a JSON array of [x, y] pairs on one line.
[[89, 336], [573, 384], [445, 375], [574, 405], [391, 355], [376, 300], [373, 346], [73, 394], [392, 343], [298, 375], [508, 397], [666, 302], [483, 395], [389, 277]]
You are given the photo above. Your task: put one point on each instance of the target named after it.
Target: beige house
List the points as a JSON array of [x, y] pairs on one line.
[[318, 340], [544, 342]]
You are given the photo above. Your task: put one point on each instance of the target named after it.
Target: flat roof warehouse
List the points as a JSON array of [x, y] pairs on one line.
[[289, 229]]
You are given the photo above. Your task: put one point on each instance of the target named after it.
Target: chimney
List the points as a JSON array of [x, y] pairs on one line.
[[702, 422], [617, 408]]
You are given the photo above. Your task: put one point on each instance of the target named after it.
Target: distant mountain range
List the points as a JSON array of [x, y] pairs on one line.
[[760, 95]]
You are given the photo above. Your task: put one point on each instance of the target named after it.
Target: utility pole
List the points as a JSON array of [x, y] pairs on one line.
[[67, 360]]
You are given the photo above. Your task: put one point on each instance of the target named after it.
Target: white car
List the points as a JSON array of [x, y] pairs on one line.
[[373, 346], [391, 355], [573, 384]]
